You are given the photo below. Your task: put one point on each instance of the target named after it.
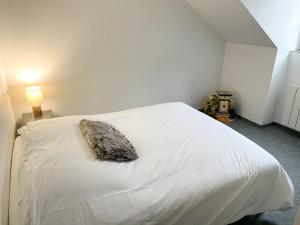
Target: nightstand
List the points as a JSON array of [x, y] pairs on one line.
[[27, 117]]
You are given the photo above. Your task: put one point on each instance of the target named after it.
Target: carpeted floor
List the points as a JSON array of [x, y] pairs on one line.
[[284, 145]]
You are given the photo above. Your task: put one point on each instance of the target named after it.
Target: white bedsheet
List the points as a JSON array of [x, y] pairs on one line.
[[15, 193], [191, 170]]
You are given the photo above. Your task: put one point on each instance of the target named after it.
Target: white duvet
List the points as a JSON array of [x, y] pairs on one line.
[[191, 170]]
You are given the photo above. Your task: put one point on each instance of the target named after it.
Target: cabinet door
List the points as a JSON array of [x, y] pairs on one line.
[[295, 110], [290, 101], [298, 123]]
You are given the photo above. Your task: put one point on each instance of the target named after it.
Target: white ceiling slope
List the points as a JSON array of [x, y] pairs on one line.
[[232, 21], [280, 19]]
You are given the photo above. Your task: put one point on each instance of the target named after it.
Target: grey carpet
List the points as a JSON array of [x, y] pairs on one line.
[[284, 145]]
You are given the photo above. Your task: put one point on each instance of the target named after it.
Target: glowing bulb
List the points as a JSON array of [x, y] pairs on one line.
[[30, 76]]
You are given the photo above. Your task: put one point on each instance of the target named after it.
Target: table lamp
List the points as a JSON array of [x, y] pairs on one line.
[[34, 96]]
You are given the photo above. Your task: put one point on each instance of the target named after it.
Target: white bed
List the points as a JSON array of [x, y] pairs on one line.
[[191, 170], [14, 206]]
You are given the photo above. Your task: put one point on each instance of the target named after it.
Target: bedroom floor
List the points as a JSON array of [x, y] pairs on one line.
[[284, 145]]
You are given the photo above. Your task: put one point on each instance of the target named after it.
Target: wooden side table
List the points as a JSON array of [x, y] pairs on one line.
[[27, 117]]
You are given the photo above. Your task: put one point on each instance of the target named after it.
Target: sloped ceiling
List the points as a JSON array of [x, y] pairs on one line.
[[232, 21], [280, 19]]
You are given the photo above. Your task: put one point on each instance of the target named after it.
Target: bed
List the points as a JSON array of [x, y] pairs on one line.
[[192, 170]]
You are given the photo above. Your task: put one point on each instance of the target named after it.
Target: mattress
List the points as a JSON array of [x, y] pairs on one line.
[[191, 170]]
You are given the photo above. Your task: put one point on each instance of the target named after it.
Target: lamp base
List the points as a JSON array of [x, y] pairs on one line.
[[37, 111]]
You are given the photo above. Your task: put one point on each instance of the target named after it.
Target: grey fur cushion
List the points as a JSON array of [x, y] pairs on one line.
[[107, 142]]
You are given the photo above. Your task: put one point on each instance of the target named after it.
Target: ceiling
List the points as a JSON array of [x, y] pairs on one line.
[[232, 21]]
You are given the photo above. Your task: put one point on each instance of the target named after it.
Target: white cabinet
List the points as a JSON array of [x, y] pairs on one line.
[[298, 124], [293, 108], [291, 117]]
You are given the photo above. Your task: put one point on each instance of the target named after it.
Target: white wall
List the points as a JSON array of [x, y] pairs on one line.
[[7, 131], [108, 55], [247, 71], [293, 73], [276, 86], [281, 21], [262, 23]]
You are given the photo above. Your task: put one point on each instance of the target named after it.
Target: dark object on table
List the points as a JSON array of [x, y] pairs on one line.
[[28, 117], [232, 113]]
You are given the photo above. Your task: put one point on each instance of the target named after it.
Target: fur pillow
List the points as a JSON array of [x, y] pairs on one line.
[[107, 142]]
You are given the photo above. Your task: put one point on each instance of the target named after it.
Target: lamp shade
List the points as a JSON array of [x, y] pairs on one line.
[[34, 95]]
